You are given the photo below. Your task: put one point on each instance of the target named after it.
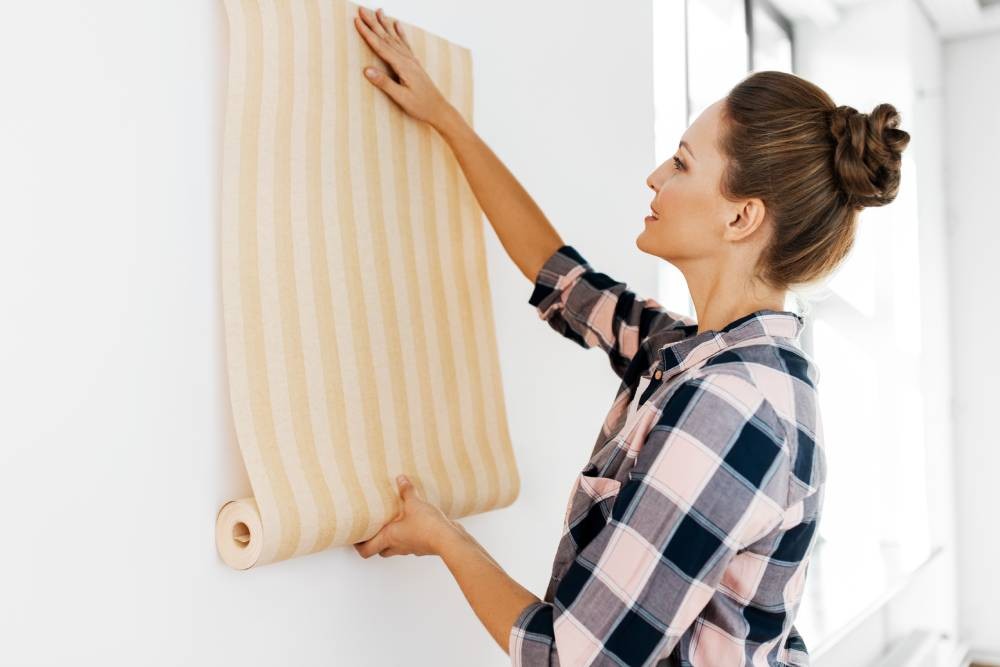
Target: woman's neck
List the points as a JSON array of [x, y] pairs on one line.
[[721, 298]]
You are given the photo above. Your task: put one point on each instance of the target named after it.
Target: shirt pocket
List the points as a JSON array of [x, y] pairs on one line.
[[590, 504]]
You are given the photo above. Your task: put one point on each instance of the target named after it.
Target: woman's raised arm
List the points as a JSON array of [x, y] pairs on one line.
[[524, 231], [519, 223]]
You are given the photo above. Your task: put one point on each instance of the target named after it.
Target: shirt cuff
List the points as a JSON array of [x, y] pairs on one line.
[[529, 640], [555, 268]]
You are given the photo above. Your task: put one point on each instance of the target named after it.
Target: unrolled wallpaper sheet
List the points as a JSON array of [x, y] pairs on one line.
[[358, 322]]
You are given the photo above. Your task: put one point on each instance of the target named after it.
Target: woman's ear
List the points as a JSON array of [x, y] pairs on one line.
[[748, 218]]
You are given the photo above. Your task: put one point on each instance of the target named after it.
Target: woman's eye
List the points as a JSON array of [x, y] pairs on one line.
[[678, 163]]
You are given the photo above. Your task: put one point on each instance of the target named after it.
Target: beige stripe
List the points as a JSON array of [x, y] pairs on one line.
[[363, 299], [410, 367], [444, 222], [496, 415], [278, 300], [316, 495], [459, 340], [488, 487], [338, 207], [437, 487], [327, 403], [239, 383], [488, 482], [304, 210], [276, 547], [325, 132], [463, 220], [379, 294], [400, 389], [445, 437]]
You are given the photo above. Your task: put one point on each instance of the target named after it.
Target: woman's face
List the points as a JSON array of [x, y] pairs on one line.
[[692, 215]]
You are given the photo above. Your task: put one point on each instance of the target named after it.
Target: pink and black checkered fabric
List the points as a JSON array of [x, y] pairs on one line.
[[688, 533]]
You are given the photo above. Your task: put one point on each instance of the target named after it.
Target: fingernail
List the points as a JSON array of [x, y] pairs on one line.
[[370, 72], [400, 478]]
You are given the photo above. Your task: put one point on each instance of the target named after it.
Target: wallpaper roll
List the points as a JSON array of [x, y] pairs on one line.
[[360, 339]]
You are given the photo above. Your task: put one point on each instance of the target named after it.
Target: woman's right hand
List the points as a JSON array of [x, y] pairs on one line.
[[415, 93]]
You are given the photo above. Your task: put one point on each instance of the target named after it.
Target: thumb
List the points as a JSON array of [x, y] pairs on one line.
[[405, 487], [380, 79]]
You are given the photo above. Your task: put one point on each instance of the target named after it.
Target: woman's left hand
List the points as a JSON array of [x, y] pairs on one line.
[[418, 529]]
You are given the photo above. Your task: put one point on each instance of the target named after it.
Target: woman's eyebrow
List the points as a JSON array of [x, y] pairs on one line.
[[687, 146]]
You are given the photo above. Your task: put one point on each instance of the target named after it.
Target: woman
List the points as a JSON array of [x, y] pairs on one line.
[[688, 533]]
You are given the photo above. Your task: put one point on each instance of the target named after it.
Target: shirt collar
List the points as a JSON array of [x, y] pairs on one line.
[[695, 348]]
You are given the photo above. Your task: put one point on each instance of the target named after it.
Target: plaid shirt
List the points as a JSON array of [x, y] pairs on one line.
[[687, 535]]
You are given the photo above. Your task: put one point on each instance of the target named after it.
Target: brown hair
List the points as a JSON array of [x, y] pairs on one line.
[[814, 164]]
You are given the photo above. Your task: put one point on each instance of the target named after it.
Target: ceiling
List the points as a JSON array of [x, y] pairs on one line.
[[951, 18]]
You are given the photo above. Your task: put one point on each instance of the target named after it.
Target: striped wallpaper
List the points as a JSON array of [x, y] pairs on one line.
[[358, 322]]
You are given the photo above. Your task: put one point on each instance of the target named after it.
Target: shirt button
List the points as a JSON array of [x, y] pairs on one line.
[[658, 374]]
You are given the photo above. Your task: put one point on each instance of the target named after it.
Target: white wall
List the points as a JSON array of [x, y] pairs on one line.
[[972, 141], [116, 443]]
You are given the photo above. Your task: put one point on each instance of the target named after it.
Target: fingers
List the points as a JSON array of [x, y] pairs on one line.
[[394, 27], [378, 44], [379, 544], [384, 23], [374, 22], [376, 544], [398, 27], [384, 44]]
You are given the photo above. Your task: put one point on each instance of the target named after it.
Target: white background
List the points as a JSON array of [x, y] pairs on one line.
[[116, 442]]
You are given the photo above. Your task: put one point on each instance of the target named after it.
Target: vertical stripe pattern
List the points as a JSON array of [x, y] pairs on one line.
[[358, 321]]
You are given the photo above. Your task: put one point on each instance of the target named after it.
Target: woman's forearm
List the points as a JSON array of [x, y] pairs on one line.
[[524, 231], [495, 598]]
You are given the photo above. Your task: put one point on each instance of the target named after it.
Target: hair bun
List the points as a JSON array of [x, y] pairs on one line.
[[867, 159]]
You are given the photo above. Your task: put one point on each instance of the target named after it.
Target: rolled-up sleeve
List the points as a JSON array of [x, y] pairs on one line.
[[710, 478], [592, 309], [531, 637]]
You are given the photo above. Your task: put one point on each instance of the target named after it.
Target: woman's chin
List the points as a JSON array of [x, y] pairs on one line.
[[640, 241], [647, 243]]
